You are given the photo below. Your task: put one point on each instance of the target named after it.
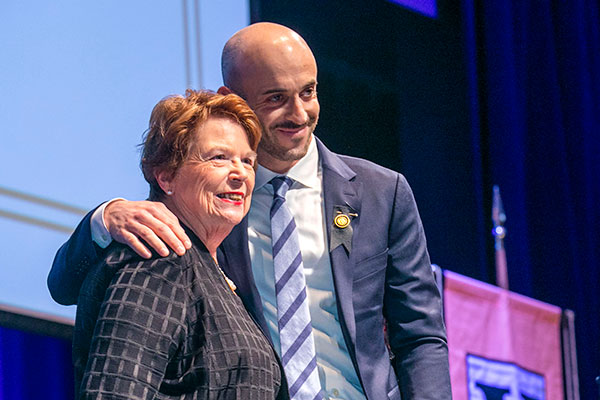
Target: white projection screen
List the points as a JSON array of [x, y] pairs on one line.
[[79, 80]]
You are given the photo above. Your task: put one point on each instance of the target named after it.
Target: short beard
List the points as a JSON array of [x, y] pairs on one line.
[[280, 154]]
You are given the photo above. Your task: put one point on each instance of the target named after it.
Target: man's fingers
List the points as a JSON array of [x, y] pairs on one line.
[[174, 235], [181, 235], [159, 236], [149, 222], [169, 230], [134, 232], [161, 222], [132, 241]]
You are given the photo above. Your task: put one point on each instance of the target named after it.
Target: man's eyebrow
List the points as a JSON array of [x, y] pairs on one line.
[[271, 91], [312, 82]]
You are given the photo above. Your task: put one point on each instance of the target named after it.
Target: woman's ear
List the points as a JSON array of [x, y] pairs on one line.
[[164, 180]]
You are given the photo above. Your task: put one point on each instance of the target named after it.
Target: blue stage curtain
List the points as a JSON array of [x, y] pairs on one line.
[[34, 367], [535, 73]]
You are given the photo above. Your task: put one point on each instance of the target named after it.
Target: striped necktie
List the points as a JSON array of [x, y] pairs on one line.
[[293, 317]]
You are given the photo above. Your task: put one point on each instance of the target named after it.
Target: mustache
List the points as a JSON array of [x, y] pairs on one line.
[[293, 125]]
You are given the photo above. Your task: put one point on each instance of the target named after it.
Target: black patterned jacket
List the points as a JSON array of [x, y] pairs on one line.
[[168, 328]]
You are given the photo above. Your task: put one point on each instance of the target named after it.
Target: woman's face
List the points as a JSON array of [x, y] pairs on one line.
[[213, 187]]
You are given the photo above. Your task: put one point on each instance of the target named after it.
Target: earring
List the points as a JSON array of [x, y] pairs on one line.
[[169, 192]]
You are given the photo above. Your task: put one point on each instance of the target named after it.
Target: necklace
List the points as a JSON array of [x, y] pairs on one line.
[[229, 281]]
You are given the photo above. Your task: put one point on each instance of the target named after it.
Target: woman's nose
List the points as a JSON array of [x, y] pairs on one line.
[[238, 170]]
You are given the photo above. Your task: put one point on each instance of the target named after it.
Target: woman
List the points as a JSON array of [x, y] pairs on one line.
[[173, 327]]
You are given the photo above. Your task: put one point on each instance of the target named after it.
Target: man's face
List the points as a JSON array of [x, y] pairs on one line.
[[282, 91]]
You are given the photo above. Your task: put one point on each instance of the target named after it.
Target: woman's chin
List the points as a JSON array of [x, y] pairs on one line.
[[231, 217]]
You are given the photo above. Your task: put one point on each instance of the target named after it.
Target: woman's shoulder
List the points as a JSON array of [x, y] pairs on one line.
[[121, 259]]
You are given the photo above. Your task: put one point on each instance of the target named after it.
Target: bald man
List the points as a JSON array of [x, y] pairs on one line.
[[361, 239]]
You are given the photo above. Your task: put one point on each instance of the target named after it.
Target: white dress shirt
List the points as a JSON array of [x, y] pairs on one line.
[[305, 201]]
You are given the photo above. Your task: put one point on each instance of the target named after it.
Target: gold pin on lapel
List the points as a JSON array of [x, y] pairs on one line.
[[341, 221], [341, 233]]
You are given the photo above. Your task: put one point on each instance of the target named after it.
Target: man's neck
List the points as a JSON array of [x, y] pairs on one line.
[[275, 165], [266, 160]]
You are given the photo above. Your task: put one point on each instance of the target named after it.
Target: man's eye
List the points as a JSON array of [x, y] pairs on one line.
[[249, 161], [275, 98], [308, 93]]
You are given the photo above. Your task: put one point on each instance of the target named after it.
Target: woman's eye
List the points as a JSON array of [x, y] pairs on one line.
[[219, 157], [249, 161]]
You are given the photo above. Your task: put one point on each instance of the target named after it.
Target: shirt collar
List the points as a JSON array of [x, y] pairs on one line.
[[304, 172]]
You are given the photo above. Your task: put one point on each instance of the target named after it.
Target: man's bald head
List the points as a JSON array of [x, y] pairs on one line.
[[274, 70], [257, 46]]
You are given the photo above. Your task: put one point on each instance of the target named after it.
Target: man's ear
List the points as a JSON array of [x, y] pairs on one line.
[[224, 90]]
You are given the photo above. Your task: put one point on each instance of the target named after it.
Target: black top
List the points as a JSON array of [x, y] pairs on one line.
[[168, 328]]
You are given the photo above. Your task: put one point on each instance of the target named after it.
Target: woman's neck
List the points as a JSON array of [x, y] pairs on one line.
[[211, 234]]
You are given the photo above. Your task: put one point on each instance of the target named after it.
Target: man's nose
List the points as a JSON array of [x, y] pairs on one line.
[[297, 111]]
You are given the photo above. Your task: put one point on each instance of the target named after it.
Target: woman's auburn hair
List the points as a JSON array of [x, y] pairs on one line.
[[173, 123]]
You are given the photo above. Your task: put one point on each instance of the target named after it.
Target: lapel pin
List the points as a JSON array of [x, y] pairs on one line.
[[341, 221], [341, 232]]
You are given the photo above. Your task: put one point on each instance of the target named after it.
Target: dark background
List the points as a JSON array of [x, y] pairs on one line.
[[504, 93]]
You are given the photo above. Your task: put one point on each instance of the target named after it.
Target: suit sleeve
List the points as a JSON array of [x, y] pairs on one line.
[[413, 307], [141, 323], [72, 263]]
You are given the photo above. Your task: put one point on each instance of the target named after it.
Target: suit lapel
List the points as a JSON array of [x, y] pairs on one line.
[[234, 259], [339, 189]]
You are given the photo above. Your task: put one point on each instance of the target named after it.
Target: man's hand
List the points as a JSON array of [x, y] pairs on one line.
[[130, 221]]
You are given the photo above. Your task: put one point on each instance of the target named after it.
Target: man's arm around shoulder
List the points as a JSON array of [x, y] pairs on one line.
[[72, 263], [134, 223]]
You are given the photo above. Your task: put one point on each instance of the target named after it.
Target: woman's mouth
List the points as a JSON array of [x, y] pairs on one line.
[[235, 197]]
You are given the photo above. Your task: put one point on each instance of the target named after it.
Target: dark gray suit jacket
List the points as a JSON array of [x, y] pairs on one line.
[[381, 272]]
